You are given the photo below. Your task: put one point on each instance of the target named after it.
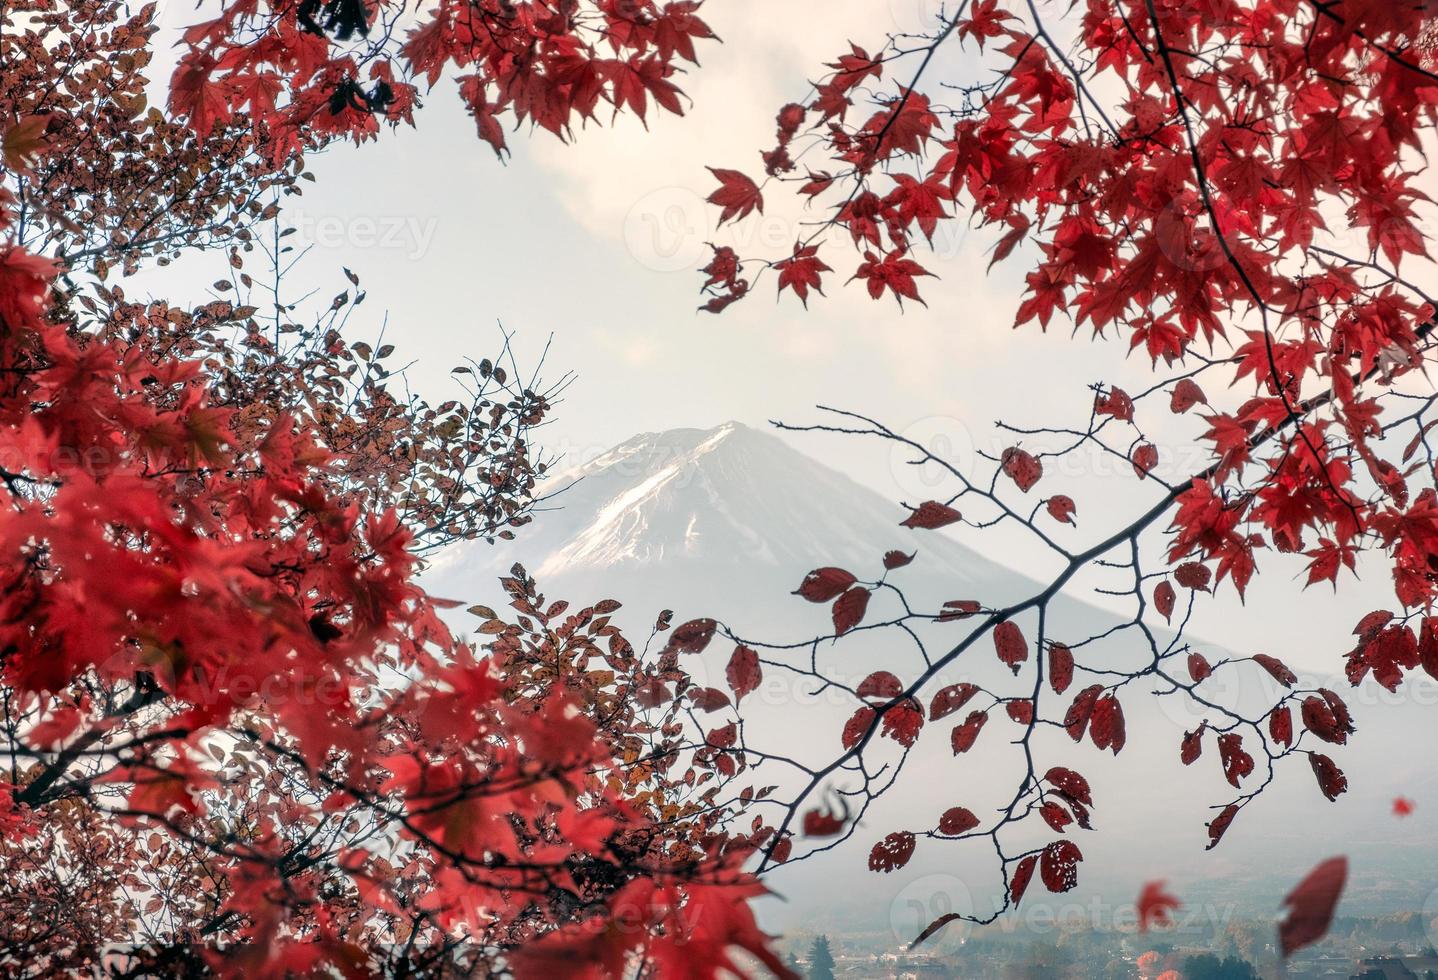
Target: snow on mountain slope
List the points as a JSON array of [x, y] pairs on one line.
[[726, 521], [730, 495]]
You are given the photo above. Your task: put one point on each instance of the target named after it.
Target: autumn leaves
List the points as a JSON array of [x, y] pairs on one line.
[[298, 77]]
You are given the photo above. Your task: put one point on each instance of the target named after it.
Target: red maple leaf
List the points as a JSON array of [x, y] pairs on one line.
[[196, 96], [800, 272], [893, 272], [737, 195]]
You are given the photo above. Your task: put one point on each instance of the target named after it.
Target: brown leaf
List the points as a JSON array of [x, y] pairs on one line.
[[1022, 467], [824, 584], [743, 673], [932, 514], [1010, 644], [849, 609]]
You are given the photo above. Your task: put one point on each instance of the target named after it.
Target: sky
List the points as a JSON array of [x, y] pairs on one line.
[[591, 248]]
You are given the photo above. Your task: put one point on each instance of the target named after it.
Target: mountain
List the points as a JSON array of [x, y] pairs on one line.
[[726, 521], [724, 499]]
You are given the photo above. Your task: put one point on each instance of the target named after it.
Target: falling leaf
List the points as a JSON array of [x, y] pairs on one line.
[[1155, 906], [1311, 905]]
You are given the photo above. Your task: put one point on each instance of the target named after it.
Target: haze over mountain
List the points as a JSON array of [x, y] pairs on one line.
[[726, 521]]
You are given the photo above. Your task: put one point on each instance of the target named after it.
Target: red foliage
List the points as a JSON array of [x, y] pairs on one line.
[[1161, 195], [1168, 178], [301, 75]]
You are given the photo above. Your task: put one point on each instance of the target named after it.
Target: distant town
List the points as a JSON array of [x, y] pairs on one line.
[[1391, 947]]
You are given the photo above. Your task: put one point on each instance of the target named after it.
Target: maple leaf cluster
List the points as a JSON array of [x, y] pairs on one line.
[[1172, 175], [303, 74]]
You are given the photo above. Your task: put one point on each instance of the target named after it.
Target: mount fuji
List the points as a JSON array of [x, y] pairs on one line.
[[726, 521], [731, 500]]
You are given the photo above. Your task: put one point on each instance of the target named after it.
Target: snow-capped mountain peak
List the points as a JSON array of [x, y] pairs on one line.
[[726, 496]]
